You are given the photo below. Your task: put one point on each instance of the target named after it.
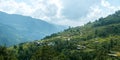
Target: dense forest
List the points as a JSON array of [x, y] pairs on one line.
[[98, 40]]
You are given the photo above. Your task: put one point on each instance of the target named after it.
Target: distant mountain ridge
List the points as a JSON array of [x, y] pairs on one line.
[[16, 29]]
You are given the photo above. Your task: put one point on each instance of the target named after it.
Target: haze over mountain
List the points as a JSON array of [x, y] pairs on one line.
[[17, 28]]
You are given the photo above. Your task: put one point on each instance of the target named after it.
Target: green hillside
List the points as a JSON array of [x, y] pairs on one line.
[[99, 40]]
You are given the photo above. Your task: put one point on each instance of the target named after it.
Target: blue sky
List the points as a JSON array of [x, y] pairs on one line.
[[62, 12]]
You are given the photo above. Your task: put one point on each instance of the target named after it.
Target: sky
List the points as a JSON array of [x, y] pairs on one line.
[[62, 12]]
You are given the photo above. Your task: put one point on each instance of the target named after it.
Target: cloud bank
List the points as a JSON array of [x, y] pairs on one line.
[[61, 12]]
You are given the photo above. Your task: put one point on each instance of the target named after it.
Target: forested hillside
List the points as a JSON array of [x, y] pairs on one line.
[[99, 40]]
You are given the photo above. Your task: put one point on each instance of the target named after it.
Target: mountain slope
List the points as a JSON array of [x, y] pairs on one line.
[[24, 28], [93, 41], [6, 33]]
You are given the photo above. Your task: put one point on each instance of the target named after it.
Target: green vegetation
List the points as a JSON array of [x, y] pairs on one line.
[[99, 40]]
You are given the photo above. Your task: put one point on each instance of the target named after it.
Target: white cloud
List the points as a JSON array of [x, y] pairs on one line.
[[58, 3], [62, 12], [11, 6], [44, 9], [100, 10], [103, 9]]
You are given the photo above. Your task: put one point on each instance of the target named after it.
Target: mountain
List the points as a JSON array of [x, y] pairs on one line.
[[99, 40], [15, 29]]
